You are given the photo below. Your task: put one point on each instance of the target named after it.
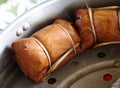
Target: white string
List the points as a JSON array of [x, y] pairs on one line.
[[56, 64], [45, 50], [91, 22], [108, 8], [106, 43], [65, 30], [119, 17]]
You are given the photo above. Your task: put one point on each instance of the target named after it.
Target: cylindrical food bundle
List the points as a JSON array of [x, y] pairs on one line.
[[98, 25], [37, 54]]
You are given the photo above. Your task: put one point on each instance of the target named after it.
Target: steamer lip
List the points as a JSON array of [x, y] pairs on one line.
[[18, 22], [8, 36], [24, 15]]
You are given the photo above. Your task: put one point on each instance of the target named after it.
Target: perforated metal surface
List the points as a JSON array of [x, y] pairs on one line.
[[83, 71]]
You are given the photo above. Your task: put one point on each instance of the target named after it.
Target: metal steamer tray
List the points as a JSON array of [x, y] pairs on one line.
[[93, 68]]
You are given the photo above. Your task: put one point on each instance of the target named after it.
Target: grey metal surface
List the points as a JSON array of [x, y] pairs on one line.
[[38, 17], [86, 70]]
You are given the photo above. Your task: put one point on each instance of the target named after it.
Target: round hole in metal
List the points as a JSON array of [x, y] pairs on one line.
[[101, 54], [107, 77], [74, 63], [51, 80]]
